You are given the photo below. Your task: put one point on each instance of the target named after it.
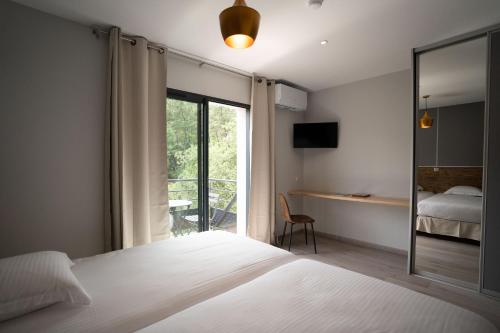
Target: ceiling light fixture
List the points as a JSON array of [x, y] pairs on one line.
[[426, 120], [239, 25], [324, 42], [314, 4]]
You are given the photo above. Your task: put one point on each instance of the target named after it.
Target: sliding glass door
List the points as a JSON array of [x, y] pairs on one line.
[[227, 167], [183, 145], [207, 148]]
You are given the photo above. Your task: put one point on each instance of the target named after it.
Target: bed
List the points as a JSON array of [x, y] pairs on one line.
[[444, 214], [133, 288], [450, 215], [309, 296]]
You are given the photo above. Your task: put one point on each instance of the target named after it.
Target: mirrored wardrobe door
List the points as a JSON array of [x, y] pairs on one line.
[[449, 140], [491, 237]]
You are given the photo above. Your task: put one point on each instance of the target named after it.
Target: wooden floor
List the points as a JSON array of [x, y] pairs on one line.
[[447, 257], [391, 267]]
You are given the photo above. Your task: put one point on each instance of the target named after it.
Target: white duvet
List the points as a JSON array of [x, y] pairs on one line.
[[133, 288], [463, 208], [308, 296]]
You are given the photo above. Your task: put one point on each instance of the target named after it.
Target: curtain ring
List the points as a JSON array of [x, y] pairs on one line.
[[259, 80], [133, 42]]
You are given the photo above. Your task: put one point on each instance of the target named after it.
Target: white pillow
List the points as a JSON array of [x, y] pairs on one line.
[[32, 281], [465, 190], [420, 188]]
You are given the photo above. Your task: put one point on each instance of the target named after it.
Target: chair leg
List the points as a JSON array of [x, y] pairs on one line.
[[305, 231], [291, 233], [283, 237], [314, 239]]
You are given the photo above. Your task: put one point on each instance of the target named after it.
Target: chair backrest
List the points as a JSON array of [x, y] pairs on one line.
[[220, 215], [213, 200], [285, 210]]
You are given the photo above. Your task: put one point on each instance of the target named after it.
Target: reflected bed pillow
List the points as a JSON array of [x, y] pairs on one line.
[[32, 281], [465, 190]]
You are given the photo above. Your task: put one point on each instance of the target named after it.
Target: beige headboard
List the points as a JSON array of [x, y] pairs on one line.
[[446, 177]]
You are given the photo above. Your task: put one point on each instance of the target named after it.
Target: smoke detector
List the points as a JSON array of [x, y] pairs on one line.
[[314, 4]]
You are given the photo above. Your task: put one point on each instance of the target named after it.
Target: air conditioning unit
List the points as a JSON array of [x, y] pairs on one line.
[[290, 98]]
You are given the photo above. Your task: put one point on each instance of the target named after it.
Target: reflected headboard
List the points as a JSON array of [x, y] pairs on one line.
[[446, 177]]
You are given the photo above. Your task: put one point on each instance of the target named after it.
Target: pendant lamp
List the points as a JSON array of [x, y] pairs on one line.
[[426, 120], [239, 25]]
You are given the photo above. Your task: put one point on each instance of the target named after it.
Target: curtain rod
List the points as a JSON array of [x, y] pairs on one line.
[[161, 48]]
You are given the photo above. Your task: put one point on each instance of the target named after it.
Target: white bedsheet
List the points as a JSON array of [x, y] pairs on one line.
[[133, 288], [308, 296], [463, 208]]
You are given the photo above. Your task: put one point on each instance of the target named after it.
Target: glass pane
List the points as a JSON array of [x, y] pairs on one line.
[[182, 154], [227, 169], [449, 162]]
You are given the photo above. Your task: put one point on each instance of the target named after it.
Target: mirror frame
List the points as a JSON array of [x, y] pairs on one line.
[[415, 53]]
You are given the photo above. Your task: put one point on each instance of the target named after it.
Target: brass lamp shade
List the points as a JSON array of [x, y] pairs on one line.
[[425, 121], [239, 25]]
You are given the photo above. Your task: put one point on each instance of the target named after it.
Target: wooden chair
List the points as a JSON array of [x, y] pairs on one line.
[[294, 219]]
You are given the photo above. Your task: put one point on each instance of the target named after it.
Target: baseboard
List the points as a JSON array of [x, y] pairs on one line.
[[362, 243], [491, 293], [348, 241]]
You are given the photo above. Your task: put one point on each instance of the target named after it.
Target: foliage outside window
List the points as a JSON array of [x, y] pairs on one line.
[[182, 152]]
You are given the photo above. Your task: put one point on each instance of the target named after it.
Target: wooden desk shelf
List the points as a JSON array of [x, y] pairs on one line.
[[400, 202]]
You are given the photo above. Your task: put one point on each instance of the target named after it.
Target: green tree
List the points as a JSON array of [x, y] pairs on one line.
[[182, 151]]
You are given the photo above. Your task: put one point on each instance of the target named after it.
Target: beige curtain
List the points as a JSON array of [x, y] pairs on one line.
[[136, 205], [261, 219]]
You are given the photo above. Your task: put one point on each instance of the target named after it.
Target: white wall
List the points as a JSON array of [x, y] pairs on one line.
[[188, 75], [289, 162], [373, 156], [52, 87]]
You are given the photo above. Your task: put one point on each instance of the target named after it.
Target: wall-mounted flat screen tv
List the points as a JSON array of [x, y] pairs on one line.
[[315, 135]]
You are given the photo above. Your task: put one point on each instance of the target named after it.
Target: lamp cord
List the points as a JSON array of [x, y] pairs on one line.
[[437, 137]]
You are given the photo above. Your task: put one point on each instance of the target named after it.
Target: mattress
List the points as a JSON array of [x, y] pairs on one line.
[[463, 208], [133, 288], [308, 296]]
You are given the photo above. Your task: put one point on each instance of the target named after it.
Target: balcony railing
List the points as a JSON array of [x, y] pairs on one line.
[[183, 197]]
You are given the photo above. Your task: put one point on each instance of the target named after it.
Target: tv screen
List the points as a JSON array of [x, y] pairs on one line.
[[315, 135]]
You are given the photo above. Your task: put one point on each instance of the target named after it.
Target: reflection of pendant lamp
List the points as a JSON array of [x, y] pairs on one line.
[[239, 25], [426, 120]]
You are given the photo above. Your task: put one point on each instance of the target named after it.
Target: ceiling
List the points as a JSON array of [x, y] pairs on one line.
[[454, 75], [366, 38]]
